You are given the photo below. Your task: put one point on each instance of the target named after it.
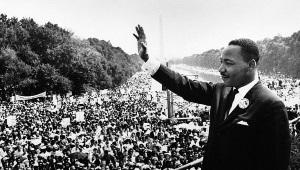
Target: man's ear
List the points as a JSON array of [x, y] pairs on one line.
[[252, 64]]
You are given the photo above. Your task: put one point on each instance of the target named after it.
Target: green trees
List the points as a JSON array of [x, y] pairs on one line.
[[36, 58]]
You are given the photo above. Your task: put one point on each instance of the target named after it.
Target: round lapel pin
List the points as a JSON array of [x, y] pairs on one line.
[[244, 103]]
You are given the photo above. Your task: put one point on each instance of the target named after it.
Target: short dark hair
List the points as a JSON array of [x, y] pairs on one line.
[[249, 48]]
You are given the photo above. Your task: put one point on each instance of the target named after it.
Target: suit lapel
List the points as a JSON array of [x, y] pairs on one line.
[[221, 115], [234, 117]]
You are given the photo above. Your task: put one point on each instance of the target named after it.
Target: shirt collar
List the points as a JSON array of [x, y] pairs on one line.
[[244, 90]]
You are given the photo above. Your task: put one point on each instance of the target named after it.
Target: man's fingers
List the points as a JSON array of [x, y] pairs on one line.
[[137, 29], [137, 37], [141, 33]]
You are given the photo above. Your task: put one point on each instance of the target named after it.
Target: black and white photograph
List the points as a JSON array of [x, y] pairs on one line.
[[149, 85]]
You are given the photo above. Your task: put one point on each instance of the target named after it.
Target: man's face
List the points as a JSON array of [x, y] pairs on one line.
[[233, 69]]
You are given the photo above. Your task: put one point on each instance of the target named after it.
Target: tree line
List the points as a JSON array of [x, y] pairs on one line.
[[279, 55], [36, 58]]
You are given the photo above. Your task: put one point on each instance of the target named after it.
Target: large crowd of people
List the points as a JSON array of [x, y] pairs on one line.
[[123, 128], [288, 89]]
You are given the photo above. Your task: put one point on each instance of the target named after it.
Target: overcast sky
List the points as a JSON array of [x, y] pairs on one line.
[[189, 26]]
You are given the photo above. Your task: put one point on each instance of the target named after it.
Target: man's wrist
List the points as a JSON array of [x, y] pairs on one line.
[[151, 66], [145, 57]]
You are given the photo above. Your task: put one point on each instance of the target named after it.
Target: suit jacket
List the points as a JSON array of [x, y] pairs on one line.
[[261, 143]]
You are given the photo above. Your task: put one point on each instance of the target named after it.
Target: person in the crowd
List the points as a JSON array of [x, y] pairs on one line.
[[113, 135]]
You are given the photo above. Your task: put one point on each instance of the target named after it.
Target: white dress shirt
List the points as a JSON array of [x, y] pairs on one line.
[[151, 66], [242, 92]]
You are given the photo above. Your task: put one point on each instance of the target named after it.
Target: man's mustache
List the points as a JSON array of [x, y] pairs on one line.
[[224, 75]]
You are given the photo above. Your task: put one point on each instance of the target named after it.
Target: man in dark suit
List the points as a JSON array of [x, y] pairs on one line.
[[248, 123]]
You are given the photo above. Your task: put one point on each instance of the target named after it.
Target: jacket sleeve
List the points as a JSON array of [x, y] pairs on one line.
[[190, 90]]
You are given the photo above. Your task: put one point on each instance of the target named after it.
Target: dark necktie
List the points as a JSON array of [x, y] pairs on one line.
[[229, 100]]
